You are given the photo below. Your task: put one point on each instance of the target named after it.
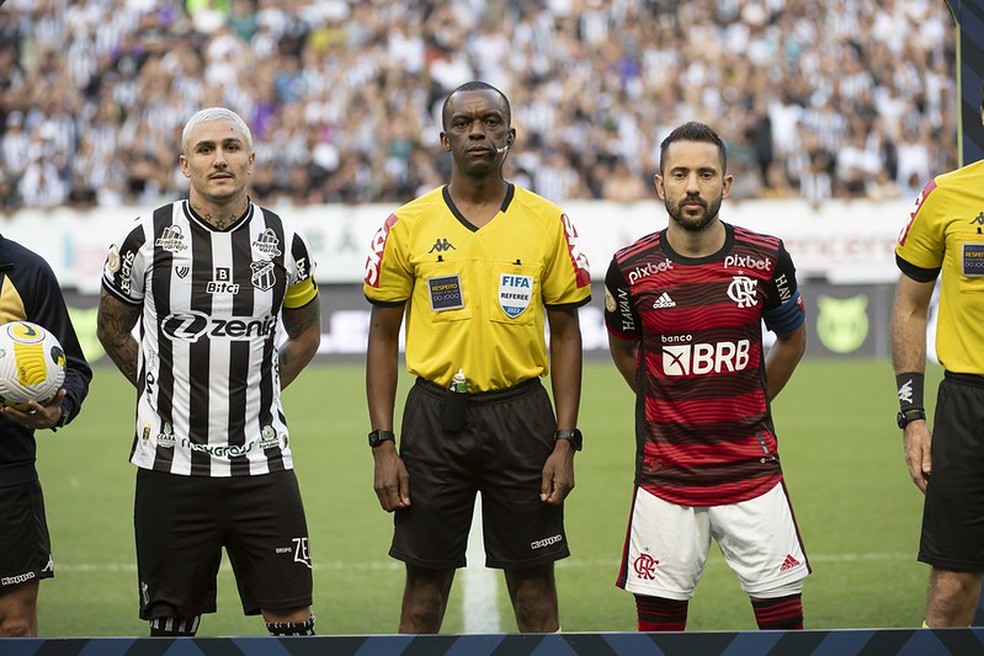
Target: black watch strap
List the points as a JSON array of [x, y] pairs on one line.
[[572, 435], [377, 437], [909, 415]]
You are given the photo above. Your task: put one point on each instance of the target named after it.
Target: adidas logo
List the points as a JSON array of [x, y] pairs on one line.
[[664, 301], [789, 563]]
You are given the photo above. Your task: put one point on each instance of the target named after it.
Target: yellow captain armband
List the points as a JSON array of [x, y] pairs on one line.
[[300, 294]]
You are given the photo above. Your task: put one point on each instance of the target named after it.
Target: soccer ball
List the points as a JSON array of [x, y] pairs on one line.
[[32, 364]]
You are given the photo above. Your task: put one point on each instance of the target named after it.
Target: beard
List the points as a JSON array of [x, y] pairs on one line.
[[693, 222]]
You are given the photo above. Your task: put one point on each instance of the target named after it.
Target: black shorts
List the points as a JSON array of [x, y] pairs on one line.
[[953, 514], [500, 452], [25, 547], [182, 522]]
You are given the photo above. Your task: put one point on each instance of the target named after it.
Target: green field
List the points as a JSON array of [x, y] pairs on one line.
[[857, 509]]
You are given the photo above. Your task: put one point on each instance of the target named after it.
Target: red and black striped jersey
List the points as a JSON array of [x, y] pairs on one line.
[[704, 430]]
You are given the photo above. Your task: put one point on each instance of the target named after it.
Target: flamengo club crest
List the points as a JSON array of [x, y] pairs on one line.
[[515, 293], [742, 291]]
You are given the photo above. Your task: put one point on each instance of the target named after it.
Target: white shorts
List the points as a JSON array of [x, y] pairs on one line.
[[667, 545]]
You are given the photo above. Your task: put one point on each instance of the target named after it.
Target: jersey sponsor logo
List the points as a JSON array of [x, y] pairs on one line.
[[978, 220], [649, 269], [741, 290], [644, 566], [219, 450], [705, 358], [126, 269], [441, 245], [747, 262], [267, 244], [582, 274], [221, 282], [445, 293], [783, 287], [376, 249], [625, 312], [190, 326], [515, 293], [546, 542], [17, 578], [302, 269], [171, 240], [916, 206], [264, 275], [973, 260]]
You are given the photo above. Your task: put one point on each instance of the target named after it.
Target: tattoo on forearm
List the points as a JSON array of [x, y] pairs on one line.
[[114, 325]]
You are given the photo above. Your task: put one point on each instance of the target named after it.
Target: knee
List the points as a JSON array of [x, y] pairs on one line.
[[16, 627]]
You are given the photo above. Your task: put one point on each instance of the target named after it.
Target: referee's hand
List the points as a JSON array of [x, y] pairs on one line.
[[558, 474], [390, 478], [917, 440]]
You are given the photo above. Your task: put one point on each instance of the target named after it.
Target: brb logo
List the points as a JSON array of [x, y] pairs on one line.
[[704, 358]]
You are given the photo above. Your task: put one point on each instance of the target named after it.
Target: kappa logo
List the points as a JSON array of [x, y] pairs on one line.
[[978, 220], [442, 245], [664, 301]]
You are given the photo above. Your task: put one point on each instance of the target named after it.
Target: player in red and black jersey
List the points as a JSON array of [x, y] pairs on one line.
[[684, 309]]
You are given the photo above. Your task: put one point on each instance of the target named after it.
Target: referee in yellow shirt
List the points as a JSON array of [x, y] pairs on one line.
[[475, 268], [945, 234]]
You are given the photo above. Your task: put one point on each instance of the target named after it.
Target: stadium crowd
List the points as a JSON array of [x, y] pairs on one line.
[[820, 99]]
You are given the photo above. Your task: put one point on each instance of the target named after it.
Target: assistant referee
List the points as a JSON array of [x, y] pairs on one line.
[[945, 235]]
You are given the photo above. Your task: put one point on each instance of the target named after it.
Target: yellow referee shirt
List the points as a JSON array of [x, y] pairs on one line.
[[946, 232], [477, 297]]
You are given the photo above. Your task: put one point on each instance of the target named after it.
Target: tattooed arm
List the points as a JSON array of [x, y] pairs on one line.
[[303, 326], [114, 327]]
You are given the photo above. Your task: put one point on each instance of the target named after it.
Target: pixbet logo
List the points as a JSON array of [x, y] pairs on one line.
[[649, 269], [747, 262], [704, 358]]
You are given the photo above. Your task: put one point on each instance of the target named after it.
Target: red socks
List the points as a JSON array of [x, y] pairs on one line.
[[779, 614], [658, 614]]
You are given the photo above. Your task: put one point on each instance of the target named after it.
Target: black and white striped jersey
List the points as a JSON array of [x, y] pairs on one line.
[[208, 392]]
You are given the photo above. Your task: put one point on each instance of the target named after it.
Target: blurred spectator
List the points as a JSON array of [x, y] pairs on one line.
[[817, 99]]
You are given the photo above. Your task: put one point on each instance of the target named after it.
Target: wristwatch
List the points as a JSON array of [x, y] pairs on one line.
[[377, 437], [909, 415], [572, 435]]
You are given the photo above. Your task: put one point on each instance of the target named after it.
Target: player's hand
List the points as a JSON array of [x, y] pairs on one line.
[[38, 416], [558, 474], [917, 440], [390, 478]]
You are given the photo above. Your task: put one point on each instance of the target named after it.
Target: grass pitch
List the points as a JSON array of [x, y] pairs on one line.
[[842, 454]]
